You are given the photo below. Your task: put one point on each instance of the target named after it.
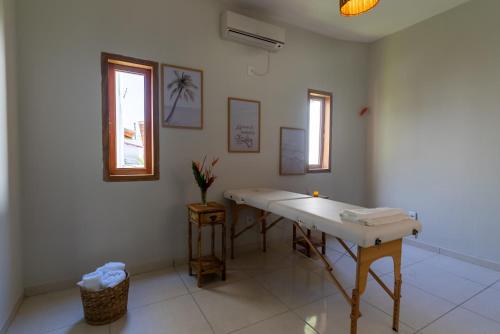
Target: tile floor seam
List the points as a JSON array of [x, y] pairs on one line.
[[190, 293], [475, 312], [203, 314], [388, 314], [259, 321], [422, 289], [479, 314], [271, 293], [406, 324], [157, 302], [309, 325], [194, 300], [200, 290], [458, 306], [463, 277], [335, 291], [413, 283]]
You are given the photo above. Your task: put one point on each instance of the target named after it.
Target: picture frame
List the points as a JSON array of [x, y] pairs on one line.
[[293, 149], [243, 125], [182, 97]]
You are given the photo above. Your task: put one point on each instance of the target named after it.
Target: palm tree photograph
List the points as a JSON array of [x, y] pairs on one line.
[[182, 90]]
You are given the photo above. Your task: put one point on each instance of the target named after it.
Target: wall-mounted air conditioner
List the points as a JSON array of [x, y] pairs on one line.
[[249, 31]]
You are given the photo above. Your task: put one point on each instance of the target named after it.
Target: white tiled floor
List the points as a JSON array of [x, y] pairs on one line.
[[282, 292]]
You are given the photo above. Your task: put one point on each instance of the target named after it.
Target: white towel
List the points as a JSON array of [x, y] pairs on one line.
[[91, 281], [378, 221], [356, 214], [106, 276], [110, 266], [112, 278]]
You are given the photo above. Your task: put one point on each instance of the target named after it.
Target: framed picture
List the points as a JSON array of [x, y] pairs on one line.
[[292, 151], [182, 97], [243, 125]]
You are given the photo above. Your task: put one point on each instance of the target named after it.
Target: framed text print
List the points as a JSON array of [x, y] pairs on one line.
[[243, 125], [182, 96], [292, 151]]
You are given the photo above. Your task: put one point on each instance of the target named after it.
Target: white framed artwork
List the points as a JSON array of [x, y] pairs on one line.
[[292, 151], [243, 125]]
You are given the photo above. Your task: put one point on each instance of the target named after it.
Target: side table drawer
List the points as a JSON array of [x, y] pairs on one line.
[[213, 217]]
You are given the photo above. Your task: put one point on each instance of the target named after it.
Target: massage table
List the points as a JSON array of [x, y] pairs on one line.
[[315, 213]]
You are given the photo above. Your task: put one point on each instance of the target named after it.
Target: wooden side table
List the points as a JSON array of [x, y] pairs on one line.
[[207, 215]]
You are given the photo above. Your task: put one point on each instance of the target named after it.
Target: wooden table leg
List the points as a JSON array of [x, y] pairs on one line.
[[213, 240], [223, 251], [294, 237], [354, 311], [397, 291], [323, 241], [263, 229], [308, 248], [234, 221], [190, 245], [364, 260], [199, 256]]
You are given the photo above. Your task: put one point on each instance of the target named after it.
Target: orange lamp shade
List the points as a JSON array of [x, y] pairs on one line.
[[356, 7]]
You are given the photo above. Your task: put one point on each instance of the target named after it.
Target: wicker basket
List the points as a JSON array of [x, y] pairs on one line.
[[105, 306]]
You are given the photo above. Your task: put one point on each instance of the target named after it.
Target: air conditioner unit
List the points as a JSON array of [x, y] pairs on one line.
[[249, 31]]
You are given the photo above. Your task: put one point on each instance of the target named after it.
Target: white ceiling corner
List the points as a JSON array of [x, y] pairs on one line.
[[322, 16]]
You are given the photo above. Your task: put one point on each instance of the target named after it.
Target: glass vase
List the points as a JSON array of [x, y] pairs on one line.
[[204, 197]]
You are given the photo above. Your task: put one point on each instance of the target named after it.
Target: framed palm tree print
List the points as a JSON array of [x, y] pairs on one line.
[[182, 97]]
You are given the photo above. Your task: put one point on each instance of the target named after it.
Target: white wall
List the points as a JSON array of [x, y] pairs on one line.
[[11, 285], [73, 220], [434, 139]]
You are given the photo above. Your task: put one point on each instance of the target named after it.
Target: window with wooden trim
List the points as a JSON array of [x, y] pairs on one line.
[[130, 118], [319, 131]]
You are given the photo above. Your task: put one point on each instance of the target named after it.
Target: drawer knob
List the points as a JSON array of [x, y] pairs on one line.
[[213, 218]]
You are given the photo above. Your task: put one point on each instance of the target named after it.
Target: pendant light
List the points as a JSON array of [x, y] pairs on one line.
[[356, 7]]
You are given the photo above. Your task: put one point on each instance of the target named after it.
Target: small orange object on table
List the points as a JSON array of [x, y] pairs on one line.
[[212, 214]]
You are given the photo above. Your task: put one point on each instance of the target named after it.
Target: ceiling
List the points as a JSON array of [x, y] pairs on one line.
[[322, 16]]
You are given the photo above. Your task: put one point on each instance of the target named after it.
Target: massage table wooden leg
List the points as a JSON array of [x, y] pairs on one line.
[[308, 247], [224, 251], [190, 245], [234, 221], [354, 311], [323, 242], [365, 257], [263, 228], [294, 237], [397, 291]]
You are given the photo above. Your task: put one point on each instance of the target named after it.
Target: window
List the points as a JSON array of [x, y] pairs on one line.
[[130, 118], [319, 131]]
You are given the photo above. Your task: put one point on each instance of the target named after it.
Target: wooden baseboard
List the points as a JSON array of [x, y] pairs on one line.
[[456, 255], [5, 327]]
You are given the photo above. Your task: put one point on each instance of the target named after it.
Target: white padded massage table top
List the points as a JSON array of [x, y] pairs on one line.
[[321, 214]]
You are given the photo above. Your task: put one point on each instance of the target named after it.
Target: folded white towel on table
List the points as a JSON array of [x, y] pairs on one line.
[[374, 217], [112, 278]]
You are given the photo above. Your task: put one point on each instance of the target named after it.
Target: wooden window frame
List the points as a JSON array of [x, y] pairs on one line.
[[109, 64], [326, 130]]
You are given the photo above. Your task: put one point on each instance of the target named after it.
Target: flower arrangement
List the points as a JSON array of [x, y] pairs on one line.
[[203, 174]]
